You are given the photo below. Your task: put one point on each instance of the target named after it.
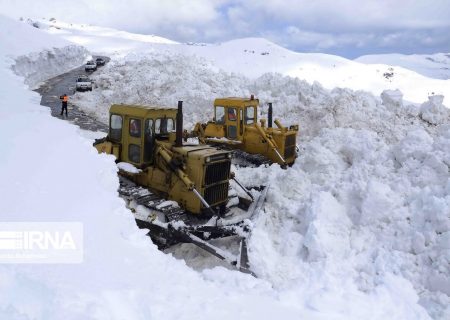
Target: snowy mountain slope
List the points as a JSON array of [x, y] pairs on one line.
[[100, 39], [253, 57], [430, 65], [367, 164]]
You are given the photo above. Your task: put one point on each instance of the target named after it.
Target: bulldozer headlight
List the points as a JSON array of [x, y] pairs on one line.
[[229, 155], [208, 159]]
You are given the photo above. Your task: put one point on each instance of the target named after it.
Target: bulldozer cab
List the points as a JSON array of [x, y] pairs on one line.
[[195, 176], [235, 126], [234, 114], [135, 128]]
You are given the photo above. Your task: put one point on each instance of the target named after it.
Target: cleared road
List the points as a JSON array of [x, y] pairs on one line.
[[53, 88]]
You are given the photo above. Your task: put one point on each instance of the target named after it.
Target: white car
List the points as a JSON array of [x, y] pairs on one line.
[[83, 84], [90, 66]]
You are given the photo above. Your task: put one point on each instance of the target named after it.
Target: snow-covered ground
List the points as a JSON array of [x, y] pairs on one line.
[[369, 195], [358, 228], [430, 65]]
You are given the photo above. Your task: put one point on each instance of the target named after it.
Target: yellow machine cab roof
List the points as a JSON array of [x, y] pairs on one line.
[[141, 111], [236, 101]]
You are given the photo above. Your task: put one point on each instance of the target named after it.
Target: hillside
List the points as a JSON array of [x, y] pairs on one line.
[[253, 57], [429, 65]]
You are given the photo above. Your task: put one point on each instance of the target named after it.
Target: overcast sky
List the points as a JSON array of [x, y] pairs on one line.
[[345, 27]]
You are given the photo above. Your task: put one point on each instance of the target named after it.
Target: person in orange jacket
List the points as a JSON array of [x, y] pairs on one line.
[[64, 99]]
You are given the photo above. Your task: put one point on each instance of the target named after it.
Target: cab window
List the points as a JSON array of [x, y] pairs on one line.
[[115, 131], [220, 115], [232, 114], [170, 125], [164, 125], [249, 115], [135, 127]]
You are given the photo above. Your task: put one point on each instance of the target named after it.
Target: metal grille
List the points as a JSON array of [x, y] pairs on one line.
[[216, 194], [216, 172], [289, 146]]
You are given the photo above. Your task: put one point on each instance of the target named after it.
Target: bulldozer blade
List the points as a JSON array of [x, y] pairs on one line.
[[244, 263], [215, 251], [241, 263], [254, 207], [259, 202]]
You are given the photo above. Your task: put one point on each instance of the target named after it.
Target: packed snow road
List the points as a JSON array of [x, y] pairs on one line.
[[53, 88]]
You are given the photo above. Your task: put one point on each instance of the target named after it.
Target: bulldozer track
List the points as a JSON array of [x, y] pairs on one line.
[[244, 159], [144, 197], [136, 195], [195, 230]]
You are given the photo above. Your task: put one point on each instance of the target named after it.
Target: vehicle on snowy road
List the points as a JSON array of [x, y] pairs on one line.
[[90, 66], [83, 84], [100, 62]]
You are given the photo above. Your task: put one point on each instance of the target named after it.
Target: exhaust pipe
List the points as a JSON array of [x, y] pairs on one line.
[[269, 116], [179, 125]]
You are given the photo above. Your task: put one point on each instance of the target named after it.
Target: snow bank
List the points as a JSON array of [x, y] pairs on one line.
[[159, 79], [367, 204], [41, 56], [39, 66], [392, 97], [433, 111], [355, 210]]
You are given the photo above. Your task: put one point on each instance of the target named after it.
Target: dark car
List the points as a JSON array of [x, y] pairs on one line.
[[100, 61]]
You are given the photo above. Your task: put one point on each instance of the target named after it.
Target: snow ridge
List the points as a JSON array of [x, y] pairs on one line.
[[39, 66]]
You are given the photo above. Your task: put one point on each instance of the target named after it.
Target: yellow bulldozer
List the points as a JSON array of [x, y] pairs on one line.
[[235, 126], [180, 192]]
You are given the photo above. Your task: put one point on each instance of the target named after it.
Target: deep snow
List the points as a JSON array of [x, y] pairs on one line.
[[51, 172], [357, 228], [42, 56], [368, 197]]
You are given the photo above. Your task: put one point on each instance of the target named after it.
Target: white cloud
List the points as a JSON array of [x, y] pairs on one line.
[[347, 27], [322, 15]]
